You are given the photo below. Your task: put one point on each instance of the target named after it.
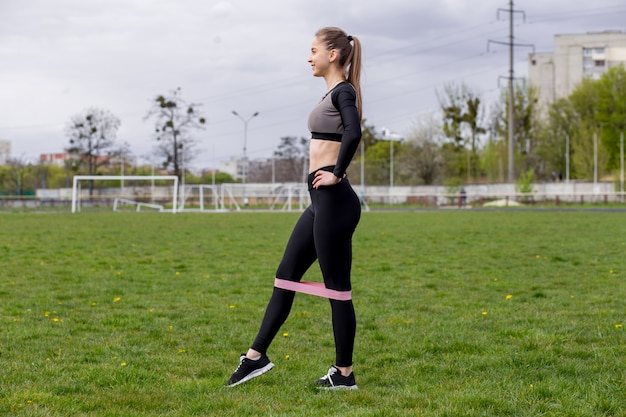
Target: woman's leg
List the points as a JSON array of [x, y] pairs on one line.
[[298, 257], [338, 211]]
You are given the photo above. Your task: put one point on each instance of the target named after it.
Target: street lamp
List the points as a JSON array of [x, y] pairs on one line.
[[245, 141], [391, 137]]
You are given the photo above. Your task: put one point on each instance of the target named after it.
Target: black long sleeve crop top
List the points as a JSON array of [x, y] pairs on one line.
[[336, 118]]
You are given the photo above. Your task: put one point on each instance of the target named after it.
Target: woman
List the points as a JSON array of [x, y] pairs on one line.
[[324, 231]]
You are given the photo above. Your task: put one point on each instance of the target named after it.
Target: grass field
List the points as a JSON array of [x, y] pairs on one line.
[[460, 313]]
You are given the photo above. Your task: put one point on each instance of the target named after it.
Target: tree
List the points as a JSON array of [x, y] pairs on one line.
[[473, 119], [291, 157], [220, 178], [420, 160], [92, 136], [558, 128], [175, 120], [377, 162], [494, 153], [584, 101], [17, 173], [526, 126], [611, 111], [463, 122]]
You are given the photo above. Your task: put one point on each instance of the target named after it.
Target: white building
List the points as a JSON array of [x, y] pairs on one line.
[[5, 151], [234, 167], [575, 57]]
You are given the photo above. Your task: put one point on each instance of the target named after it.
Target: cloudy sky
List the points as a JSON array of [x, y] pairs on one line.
[[60, 57]]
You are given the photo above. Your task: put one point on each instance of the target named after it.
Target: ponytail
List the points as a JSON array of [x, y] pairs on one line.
[[354, 72]]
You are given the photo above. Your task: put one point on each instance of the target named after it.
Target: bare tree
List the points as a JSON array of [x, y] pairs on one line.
[[92, 137], [292, 155], [175, 120], [420, 160]]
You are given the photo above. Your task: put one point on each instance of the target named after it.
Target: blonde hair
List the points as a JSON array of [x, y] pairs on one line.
[[349, 48]]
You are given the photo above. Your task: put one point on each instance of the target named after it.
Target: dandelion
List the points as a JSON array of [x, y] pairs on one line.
[[508, 297], [151, 310], [287, 357], [116, 299], [537, 256], [181, 350], [532, 386], [171, 328], [177, 273], [46, 314], [495, 279], [123, 364], [231, 306], [55, 319], [618, 326], [94, 304], [119, 273], [484, 313], [285, 334]]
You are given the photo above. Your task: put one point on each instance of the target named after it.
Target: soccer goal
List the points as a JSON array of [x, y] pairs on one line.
[[108, 190], [200, 197]]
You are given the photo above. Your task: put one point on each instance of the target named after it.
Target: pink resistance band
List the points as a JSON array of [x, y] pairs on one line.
[[313, 288]]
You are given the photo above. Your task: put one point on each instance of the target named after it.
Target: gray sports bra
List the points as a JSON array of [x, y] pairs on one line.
[[336, 118]]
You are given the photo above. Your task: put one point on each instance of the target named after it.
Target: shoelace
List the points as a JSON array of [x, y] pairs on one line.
[[240, 363], [331, 371]]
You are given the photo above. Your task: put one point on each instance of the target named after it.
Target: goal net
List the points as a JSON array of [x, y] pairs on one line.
[[125, 192]]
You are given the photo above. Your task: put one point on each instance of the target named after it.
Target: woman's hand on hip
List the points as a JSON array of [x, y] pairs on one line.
[[324, 178]]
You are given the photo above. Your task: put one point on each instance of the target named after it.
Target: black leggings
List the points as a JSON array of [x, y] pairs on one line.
[[323, 232]]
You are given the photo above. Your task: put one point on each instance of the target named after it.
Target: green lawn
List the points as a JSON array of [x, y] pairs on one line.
[[460, 313]]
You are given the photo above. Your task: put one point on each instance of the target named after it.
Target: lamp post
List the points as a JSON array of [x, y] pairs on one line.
[[245, 141], [391, 137], [621, 165], [567, 159]]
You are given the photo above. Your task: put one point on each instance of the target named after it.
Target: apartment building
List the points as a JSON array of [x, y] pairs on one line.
[[575, 57], [5, 151]]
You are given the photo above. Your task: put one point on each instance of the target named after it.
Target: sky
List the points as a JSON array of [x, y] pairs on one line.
[[61, 57]]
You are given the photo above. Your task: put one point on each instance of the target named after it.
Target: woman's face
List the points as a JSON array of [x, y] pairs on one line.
[[320, 58]]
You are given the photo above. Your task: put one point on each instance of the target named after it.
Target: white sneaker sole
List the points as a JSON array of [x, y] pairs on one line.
[[339, 387]]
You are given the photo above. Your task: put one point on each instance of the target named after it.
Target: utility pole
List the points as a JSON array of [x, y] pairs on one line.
[[511, 105]]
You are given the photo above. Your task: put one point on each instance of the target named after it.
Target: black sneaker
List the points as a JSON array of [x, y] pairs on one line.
[[334, 380], [249, 369]]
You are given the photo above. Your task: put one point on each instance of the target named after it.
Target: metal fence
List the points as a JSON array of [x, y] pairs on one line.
[[295, 197]]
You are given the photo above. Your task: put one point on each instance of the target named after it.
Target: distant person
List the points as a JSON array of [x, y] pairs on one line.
[[324, 230]]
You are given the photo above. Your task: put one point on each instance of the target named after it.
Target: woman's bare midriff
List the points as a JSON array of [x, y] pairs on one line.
[[322, 153]]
